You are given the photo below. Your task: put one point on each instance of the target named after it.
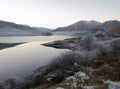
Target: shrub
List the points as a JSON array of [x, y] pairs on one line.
[[87, 43], [89, 47], [109, 65], [65, 60]]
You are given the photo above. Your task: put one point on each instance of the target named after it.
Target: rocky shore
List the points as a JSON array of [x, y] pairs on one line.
[[70, 43]]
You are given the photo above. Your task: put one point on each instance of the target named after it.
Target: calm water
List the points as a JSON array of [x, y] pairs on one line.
[[23, 59]]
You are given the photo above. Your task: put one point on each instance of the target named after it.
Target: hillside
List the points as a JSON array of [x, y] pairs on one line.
[[12, 29], [114, 32], [87, 27], [109, 25], [80, 26], [104, 66]]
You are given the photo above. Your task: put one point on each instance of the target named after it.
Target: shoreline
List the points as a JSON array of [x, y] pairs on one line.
[[69, 43], [8, 45]]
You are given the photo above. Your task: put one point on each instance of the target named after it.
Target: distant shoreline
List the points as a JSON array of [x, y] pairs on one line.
[[8, 45]]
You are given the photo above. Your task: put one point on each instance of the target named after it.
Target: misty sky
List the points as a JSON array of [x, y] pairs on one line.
[[55, 13]]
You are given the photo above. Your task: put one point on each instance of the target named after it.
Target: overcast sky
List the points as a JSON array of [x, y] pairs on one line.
[[57, 13]]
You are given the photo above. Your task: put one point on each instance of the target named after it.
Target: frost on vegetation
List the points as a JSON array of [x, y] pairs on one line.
[[112, 85], [59, 88], [87, 43], [81, 76], [78, 78], [10, 83], [49, 79], [50, 76], [87, 87], [89, 47]]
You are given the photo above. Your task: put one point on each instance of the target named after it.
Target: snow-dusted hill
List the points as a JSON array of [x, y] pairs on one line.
[[79, 26], [87, 27], [109, 25], [12, 29]]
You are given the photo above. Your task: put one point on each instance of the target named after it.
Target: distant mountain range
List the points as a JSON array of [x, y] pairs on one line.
[[78, 28], [12, 29], [87, 27]]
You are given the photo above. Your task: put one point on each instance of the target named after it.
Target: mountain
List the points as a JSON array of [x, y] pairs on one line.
[[77, 29], [80, 26], [109, 25], [109, 28], [12, 29], [114, 32], [87, 27]]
